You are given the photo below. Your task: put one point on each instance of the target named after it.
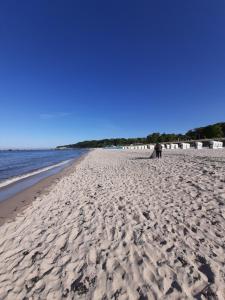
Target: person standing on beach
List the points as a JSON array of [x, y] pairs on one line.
[[158, 150]]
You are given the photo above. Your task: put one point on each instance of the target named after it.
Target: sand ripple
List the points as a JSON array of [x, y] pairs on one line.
[[122, 226]]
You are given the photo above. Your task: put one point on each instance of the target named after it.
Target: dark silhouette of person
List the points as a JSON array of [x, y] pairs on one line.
[[158, 150]]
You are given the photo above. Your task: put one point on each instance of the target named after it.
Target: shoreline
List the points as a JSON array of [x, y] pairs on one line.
[[34, 173], [12, 206]]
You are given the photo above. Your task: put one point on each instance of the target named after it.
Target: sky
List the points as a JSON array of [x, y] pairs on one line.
[[79, 70]]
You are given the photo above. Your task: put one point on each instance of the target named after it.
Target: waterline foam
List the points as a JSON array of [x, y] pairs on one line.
[[17, 178]]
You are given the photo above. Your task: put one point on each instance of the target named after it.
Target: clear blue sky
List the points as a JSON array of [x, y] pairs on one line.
[[76, 70]]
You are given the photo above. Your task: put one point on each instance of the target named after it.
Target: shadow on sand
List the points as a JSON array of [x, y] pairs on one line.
[[136, 158]]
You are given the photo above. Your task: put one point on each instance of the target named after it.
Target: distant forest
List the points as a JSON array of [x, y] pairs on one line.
[[211, 131]]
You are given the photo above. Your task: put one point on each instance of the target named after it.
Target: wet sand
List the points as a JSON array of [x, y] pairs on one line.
[[122, 226], [10, 207]]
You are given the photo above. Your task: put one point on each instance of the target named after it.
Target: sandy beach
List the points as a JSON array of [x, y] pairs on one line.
[[17, 203], [122, 226]]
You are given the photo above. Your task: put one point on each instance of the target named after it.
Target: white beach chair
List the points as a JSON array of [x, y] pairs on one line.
[[174, 146], [198, 145], [215, 145], [185, 146]]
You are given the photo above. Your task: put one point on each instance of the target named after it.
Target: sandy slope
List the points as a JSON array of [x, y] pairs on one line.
[[122, 227]]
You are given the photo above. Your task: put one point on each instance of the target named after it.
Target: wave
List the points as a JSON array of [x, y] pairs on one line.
[[17, 178]]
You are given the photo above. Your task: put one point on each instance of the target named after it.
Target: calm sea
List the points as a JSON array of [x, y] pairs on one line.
[[20, 164]]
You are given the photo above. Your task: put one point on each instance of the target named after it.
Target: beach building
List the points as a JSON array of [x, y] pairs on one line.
[[141, 147], [185, 146], [219, 145], [215, 145], [144, 147], [150, 146], [174, 146], [198, 145], [135, 147]]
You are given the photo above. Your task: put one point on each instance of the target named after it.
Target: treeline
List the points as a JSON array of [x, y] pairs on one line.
[[208, 132], [107, 143]]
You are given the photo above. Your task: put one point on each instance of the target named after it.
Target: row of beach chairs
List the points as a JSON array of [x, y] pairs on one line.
[[197, 145]]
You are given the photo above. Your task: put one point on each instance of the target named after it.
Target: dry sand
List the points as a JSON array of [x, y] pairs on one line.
[[122, 226]]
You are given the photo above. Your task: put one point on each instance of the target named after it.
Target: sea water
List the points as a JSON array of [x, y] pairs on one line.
[[20, 169]]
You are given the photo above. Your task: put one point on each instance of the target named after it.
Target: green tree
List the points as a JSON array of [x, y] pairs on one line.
[[153, 138], [213, 131]]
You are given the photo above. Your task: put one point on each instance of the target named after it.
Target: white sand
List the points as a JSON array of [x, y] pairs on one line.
[[122, 227]]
